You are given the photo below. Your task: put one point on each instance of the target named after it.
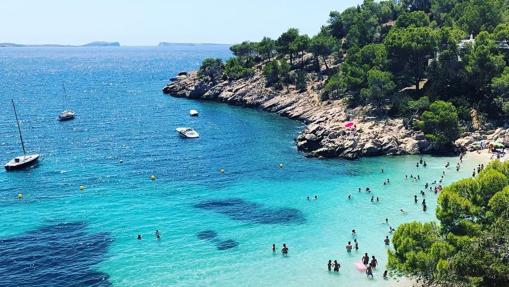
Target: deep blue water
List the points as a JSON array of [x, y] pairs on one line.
[[216, 228]]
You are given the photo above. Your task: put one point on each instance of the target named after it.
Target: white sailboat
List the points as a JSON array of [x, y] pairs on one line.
[[23, 161], [66, 115]]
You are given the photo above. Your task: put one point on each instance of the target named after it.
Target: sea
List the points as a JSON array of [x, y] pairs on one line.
[[219, 202]]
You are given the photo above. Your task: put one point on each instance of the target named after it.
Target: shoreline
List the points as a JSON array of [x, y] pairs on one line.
[[332, 129]]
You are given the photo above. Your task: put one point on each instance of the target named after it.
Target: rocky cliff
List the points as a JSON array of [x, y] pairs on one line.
[[326, 133]]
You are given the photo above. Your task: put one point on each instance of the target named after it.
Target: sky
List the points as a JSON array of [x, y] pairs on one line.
[[148, 22]]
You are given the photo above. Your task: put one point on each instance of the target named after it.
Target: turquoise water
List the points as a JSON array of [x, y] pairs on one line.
[[216, 228]]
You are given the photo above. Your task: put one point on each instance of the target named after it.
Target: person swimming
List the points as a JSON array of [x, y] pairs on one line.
[[158, 234], [402, 210], [356, 244], [139, 237], [329, 265], [377, 199], [385, 275], [349, 247], [316, 197], [273, 247], [387, 221], [372, 198], [387, 241], [349, 196], [354, 233], [415, 198]]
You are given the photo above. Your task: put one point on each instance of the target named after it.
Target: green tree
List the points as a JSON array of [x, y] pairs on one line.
[[500, 86], [322, 46], [234, 70], [409, 52], [212, 69], [333, 87], [380, 88], [276, 73], [246, 52], [413, 19], [440, 123], [267, 48], [481, 15], [415, 5], [301, 80], [335, 26], [299, 46], [283, 43]]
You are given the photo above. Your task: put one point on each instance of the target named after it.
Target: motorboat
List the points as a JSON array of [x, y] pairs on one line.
[[193, 113], [188, 133], [66, 116], [23, 161]]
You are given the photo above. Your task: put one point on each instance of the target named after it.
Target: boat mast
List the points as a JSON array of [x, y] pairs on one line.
[[65, 96], [19, 129]]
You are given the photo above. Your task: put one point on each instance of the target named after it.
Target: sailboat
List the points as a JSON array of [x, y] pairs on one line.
[[66, 115], [24, 161]]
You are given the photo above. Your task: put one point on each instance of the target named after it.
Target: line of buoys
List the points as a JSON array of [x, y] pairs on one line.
[[153, 177], [82, 187], [20, 195]]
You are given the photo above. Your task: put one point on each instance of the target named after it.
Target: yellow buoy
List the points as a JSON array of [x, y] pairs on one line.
[[281, 165], [20, 195], [221, 170], [153, 177], [82, 187]]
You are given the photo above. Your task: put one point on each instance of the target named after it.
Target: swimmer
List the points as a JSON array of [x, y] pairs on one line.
[[402, 211], [424, 207], [359, 189], [425, 164], [273, 248], [385, 275], [377, 199], [329, 265], [158, 235], [387, 241], [336, 266], [349, 196], [356, 244], [139, 237], [387, 221], [388, 181], [415, 198], [308, 198], [406, 176], [391, 230], [420, 161], [349, 247], [284, 250], [382, 170], [353, 232], [316, 197], [372, 198]]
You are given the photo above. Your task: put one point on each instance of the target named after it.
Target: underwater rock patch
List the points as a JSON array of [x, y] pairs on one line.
[[56, 255], [238, 209]]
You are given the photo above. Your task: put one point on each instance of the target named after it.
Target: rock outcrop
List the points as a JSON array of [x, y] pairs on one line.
[[326, 133]]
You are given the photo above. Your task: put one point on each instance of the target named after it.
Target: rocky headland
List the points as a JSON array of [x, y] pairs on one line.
[[327, 133]]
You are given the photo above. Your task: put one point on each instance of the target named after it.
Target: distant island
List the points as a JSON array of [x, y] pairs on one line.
[[91, 44]]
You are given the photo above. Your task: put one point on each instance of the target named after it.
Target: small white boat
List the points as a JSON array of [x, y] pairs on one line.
[[66, 116], [193, 113], [188, 133], [23, 161]]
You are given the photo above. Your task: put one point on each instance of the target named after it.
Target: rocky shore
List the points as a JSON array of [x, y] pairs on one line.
[[326, 133]]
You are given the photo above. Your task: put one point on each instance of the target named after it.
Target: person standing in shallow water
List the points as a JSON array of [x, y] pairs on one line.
[[273, 247], [158, 234], [139, 237], [365, 259], [284, 250], [387, 241], [336, 266], [329, 265], [349, 247], [356, 244]]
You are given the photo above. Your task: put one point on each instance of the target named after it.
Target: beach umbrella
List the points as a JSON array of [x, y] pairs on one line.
[[348, 124]]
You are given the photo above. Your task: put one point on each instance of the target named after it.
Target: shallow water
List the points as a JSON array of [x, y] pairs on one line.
[[216, 228]]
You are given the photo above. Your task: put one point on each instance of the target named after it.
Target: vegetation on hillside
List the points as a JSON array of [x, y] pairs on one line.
[[400, 57], [470, 246]]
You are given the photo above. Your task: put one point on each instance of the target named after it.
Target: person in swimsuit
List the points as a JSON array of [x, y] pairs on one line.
[[329, 265], [336, 266], [158, 235], [139, 237], [385, 275], [387, 241], [349, 247], [273, 247], [284, 250], [369, 272], [373, 262], [356, 244], [365, 259]]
